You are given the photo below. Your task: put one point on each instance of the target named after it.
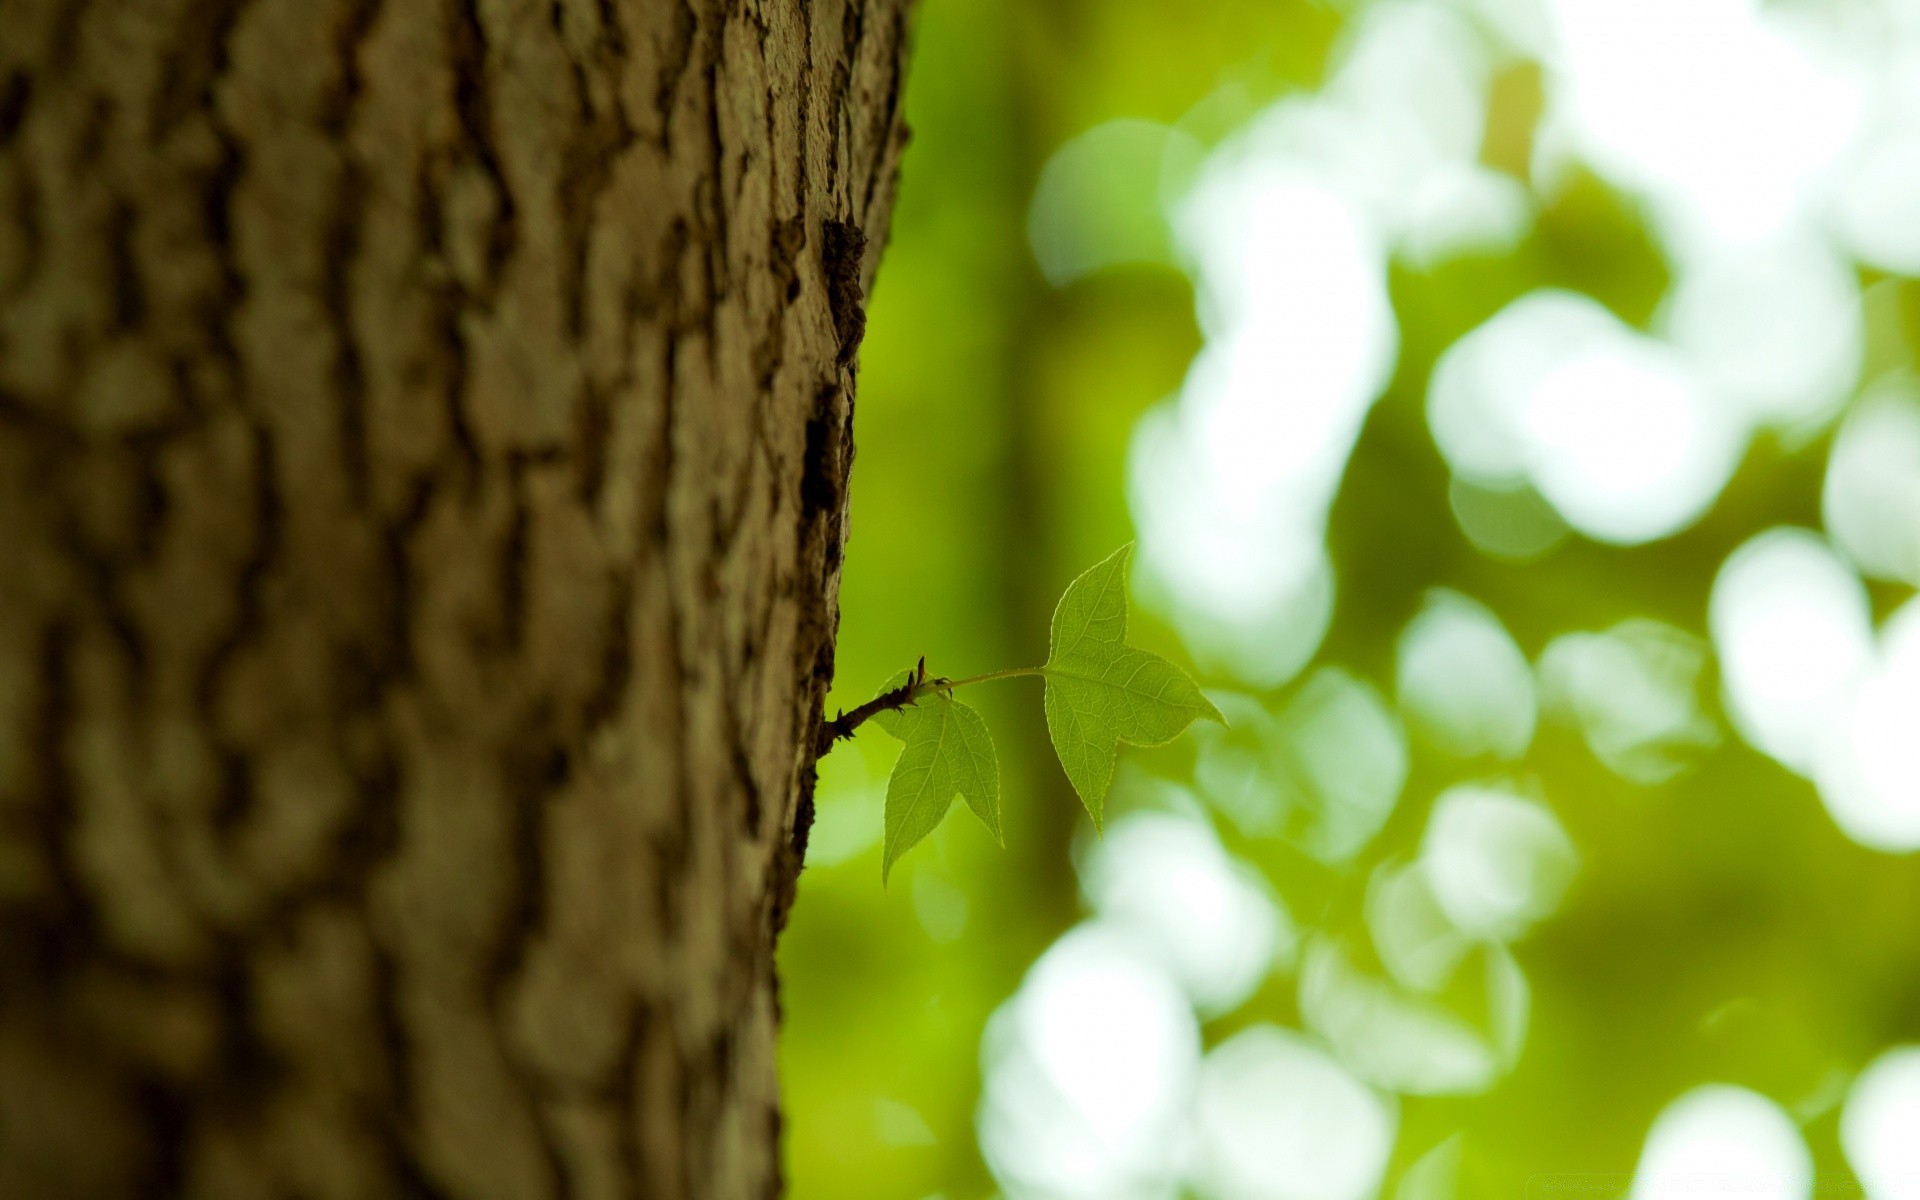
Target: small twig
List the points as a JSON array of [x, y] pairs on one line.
[[843, 725], [916, 686]]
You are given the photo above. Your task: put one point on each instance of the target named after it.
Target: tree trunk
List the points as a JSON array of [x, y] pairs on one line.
[[424, 432]]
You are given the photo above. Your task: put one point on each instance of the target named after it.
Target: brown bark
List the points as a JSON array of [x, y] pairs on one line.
[[424, 430]]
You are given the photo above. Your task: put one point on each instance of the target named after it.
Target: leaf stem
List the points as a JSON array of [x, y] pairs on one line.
[[947, 685], [916, 686]]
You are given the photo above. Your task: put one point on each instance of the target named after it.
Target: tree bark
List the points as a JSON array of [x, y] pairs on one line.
[[424, 434]]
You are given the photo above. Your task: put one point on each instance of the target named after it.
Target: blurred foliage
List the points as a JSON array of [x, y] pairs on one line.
[[1720, 927]]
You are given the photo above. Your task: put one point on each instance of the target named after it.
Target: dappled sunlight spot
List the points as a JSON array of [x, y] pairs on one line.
[[1712, 109], [1497, 863], [1088, 1073], [1210, 919], [1718, 1140], [1417, 942], [1808, 684], [1231, 486], [1480, 384], [1870, 502], [1097, 201], [1513, 523], [1272, 423], [1420, 67], [1878, 187], [1415, 75], [1868, 768], [1276, 1118], [1461, 210], [1282, 252], [1517, 27], [1323, 774], [1880, 1124], [1462, 681], [1793, 633], [1394, 132], [1247, 597], [1625, 442], [1296, 142], [1418, 1045], [1398, 127], [1776, 330], [1633, 691], [1877, 196]]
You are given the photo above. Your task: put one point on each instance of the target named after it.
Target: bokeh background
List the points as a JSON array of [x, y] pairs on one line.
[[1513, 402]]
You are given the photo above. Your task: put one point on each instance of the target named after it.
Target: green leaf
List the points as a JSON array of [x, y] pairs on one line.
[[1101, 691], [948, 750]]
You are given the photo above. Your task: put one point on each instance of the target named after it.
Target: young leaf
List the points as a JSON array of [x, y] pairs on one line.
[[948, 750], [1101, 691]]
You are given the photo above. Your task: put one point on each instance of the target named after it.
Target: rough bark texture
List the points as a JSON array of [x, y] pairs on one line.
[[424, 430]]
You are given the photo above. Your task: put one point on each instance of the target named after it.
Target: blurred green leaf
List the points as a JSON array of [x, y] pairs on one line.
[[1101, 691], [948, 750]]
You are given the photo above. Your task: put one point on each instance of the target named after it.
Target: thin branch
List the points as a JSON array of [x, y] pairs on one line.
[[916, 686], [843, 725]]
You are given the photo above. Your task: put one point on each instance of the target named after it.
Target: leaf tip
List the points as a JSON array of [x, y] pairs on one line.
[[1096, 806]]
